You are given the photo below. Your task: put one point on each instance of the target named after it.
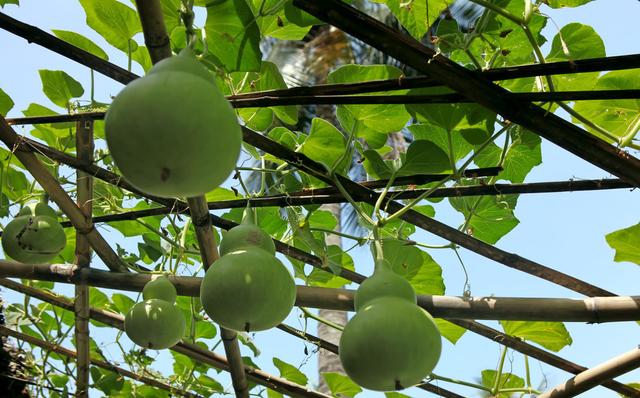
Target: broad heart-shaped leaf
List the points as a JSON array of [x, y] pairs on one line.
[[417, 266], [299, 17], [507, 380], [326, 144], [81, 42], [459, 147], [273, 20], [59, 87], [424, 157], [450, 116], [490, 217], [6, 103], [320, 278], [5, 2], [566, 3], [233, 36], [341, 385], [576, 41], [290, 372], [449, 330], [268, 78], [416, 16], [523, 154], [114, 21], [371, 122], [626, 243], [551, 335], [619, 117]]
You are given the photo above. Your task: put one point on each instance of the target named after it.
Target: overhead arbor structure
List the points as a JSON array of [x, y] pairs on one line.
[[483, 96]]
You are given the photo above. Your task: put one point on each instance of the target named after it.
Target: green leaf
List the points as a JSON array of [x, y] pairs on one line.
[[619, 117], [278, 25], [576, 41], [394, 394], [142, 57], [424, 157], [299, 17], [122, 303], [449, 330], [566, 3], [371, 122], [626, 243], [375, 165], [460, 147], [81, 42], [417, 266], [490, 217], [523, 154], [6, 103], [341, 385], [551, 335], [325, 144], [5, 2], [335, 256], [506, 380], [208, 385], [233, 36], [416, 16], [273, 394], [290, 372], [205, 330], [114, 21], [59, 87]]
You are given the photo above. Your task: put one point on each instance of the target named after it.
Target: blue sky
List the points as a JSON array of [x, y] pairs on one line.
[[564, 231]]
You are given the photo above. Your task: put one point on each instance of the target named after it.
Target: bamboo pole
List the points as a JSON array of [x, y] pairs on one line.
[[84, 184], [159, 48], [590, 310], [595, 376], [45, 345], [191, 350], [60, 197]]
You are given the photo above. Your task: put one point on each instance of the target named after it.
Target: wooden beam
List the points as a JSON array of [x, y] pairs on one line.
[[476, 88], [591, 310], [595, 376]]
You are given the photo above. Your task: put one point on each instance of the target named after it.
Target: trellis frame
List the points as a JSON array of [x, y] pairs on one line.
[[410, 52]]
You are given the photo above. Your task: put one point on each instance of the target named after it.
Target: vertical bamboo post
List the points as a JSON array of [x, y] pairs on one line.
[[155, 33], [209, 253], [84, 183]]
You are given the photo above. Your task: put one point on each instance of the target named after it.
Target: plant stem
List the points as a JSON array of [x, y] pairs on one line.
[[320, 319], [360, 239], [496, 383], [434, 376]]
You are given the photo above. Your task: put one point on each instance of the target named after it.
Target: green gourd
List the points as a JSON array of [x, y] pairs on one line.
[[390, 344], [383, 283], [171, 133], [33, 239], [248, 290], [246, 234], [160, 288], [155, 324]]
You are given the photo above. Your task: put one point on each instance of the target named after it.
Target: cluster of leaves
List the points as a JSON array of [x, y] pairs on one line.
[[441, 139]]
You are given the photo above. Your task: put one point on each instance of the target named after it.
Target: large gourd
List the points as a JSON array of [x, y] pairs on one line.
[[390, 343], [35, 236], [247, 288], [156, 322], [172, 133]]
